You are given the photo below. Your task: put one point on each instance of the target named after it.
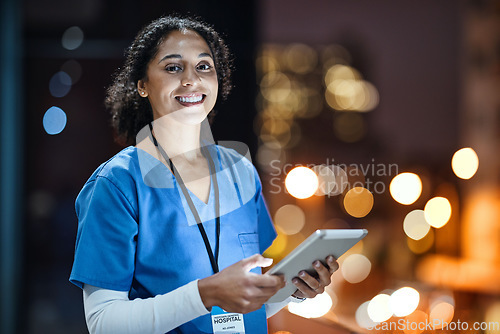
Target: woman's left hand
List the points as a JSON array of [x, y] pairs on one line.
[[309, 286]]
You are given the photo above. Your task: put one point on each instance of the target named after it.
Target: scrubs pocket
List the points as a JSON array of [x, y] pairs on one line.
[[249, 243]]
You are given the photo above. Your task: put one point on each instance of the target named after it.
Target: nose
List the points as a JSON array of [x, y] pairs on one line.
[[190, 77]]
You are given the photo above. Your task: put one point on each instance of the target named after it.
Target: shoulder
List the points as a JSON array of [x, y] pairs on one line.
[[113, 178], [119, 172], [121, 165]]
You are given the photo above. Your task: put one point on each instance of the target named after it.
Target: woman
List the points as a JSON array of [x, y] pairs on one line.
[[171, 229]]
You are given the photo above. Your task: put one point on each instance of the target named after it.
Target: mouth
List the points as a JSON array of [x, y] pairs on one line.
[[191, 99]]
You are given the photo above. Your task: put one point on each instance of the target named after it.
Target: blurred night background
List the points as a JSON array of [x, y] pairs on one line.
[[357, 91]]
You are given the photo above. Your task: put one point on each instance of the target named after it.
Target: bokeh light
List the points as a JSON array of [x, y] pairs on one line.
[[416, 322], [358, 202], [371, 95], [278, 246], [441, 313], [341, 180], [54, 120], [275, 86], [422, 245], [465, 163], [355, 268], [60, 84], [404, 301], [492, 316], [300, 58], [345, 90], [362, 317], [301, 182], [406, 188], [312, 307], [332, 180], [341, 72], [72, 38], [415, 225], [437, 211], [290, 218], [379, 309]]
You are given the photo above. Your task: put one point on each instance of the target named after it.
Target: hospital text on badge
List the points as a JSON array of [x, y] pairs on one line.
[[226, 323]]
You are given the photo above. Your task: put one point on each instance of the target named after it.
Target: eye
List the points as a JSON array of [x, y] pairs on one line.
[[173, 68], [205, 67]]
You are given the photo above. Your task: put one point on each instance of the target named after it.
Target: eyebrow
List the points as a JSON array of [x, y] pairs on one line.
[[178, 56]]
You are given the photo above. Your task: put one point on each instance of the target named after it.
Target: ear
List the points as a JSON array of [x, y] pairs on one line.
[[141, 88]]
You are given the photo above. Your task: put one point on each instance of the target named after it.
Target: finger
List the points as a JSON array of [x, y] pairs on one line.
[[332, 263], [254, 261], [311, 282], [269, 280], [264, 293], [304, 289], [323, 273]]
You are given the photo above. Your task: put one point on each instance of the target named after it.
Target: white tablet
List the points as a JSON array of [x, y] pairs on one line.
[[317, 246]]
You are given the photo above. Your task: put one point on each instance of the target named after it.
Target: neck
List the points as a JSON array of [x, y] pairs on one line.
[[181, 140]]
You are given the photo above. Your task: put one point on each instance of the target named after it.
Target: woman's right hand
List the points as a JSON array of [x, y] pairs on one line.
[[236, 289]]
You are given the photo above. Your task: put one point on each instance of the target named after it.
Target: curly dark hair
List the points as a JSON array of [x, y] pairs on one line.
[[130, 112]]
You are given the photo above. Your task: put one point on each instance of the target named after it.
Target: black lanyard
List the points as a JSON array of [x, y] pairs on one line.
[[213, 259]]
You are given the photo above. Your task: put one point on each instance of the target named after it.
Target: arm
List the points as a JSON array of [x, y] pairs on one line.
[[235, 289], [110, 311]]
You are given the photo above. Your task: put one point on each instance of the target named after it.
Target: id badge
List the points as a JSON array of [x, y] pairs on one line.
[[227, 323]]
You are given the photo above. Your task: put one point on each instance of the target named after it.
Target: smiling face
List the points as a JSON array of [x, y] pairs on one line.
[[181, 80]]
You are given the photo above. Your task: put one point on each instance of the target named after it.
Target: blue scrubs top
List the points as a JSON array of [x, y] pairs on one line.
[[136, 232]]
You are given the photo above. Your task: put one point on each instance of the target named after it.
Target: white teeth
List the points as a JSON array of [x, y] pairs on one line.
[[191, 99]]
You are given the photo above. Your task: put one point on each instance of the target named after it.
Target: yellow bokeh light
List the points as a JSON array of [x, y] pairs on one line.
[[266, 63], [406, 188], [415, 225], [275, 86], [422, 245], [358, 202], [492, 316], [341, 72], [379, 309], [312, 307], [301, 182], [290, 218], [300, 58], [404, 301], [437, 211], [372, 97], [465, 163], [278, 246], [355, 268], [441, 314], [417, 322]]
